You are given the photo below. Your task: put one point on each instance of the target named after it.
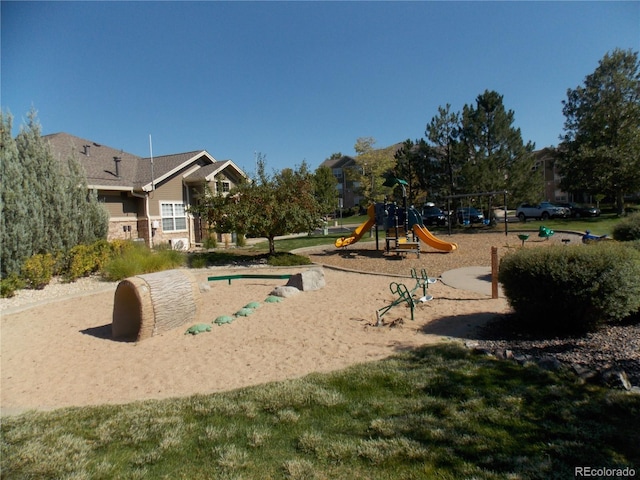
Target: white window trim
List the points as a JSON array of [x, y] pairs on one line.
[[173, 217]]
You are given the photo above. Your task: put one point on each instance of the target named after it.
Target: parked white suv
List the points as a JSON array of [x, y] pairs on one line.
[[544, 210]]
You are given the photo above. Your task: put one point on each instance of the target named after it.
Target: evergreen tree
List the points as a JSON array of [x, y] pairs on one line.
[[46, 207], [415, 166], [15, 215], [46, 189], [600, 152], [443, 131], [496, 156], [88, 220]]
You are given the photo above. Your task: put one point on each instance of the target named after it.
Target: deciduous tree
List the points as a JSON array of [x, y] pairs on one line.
[[372, 165], [324, 189], [270, 206]]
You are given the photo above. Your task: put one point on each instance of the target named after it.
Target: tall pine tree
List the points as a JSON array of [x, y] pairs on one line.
[[496, 156], [90, 221], [46, 187], [443, 131], [15, 211]]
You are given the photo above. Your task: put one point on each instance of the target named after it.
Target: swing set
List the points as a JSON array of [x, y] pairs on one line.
[[466, 215]]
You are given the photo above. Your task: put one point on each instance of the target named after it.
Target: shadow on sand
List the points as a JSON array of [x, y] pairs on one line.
[[103, 332]]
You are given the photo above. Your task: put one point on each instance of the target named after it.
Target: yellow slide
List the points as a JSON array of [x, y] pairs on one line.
[[427, 237], [358, 232]]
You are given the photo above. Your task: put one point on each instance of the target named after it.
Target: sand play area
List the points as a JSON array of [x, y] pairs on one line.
[[61, 354]]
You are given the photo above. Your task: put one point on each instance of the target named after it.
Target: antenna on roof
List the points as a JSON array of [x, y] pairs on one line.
[[153, 187]]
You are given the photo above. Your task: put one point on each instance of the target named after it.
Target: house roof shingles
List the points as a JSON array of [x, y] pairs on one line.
[[341, 162], [134, 172]]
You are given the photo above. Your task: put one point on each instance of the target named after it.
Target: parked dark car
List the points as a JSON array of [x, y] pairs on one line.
[[579, 210], [432, 215], [468, 215]]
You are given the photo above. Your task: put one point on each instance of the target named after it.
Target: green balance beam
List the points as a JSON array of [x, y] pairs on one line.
[[247, 275]]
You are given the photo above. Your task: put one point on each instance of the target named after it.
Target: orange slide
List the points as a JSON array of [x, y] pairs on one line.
[[358, 232], [427, 237]]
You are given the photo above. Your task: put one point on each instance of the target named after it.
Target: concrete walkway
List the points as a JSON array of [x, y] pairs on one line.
[[473, 279]]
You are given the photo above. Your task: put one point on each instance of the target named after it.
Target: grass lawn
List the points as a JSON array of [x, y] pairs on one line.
[[436, 412], [602, 225]]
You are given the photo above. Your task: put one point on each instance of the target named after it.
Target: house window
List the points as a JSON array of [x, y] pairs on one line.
[[174, 217], [224, 186]]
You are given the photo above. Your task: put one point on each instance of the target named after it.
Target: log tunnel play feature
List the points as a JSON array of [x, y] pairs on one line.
[[150, 304]]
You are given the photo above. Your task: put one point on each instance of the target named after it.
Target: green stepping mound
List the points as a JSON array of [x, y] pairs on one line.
[[198, 328], [252, 305], [221, 320], [244, 312], [273, 299]]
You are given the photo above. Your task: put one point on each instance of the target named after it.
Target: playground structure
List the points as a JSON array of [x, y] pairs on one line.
[[397, 223], [150, 304], [360, 231], [404, 226], [423, 233], [247, 275], [523, 237], [404, 230], [404, 295], [545, 232], [588, 237], [469, 196]]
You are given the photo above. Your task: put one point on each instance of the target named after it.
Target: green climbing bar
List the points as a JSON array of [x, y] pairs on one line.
[[248, 275]]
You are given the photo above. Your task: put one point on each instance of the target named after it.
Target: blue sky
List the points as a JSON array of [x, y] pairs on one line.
[[295, 80]]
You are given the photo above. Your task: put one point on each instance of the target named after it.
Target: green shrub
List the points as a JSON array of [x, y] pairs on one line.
[[635, 244], [83, 260], [197, 260], [120, 268], [79, 263], [285, 259], [627, 229], [102, 253], [38, 270], [9, 285], [210, 242], [158, 247], [138, 259], [127, 260], [164, 259], [174, 258], [120, 247], [572, 288], [241, 240]]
